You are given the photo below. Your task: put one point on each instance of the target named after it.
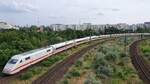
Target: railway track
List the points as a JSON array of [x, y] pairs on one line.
[[140, 63], [7, 79], [57, 72]]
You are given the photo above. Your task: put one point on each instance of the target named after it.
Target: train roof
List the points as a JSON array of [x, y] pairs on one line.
[[30, 52]]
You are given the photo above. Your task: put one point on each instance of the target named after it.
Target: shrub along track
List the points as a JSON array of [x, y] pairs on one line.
[[139, 62], [57, 72]]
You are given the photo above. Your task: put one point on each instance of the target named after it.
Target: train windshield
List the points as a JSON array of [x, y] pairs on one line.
[[13, 61]]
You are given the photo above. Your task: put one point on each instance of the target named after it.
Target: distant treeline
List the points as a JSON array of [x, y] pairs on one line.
[[17, 41]]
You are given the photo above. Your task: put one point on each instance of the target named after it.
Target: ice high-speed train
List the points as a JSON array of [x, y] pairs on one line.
[[24, 60]]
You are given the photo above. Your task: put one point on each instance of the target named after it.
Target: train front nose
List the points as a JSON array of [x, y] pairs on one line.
[[9, 67], [6, 70]]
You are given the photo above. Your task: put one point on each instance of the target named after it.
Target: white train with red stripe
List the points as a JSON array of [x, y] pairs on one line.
[[24, 60]]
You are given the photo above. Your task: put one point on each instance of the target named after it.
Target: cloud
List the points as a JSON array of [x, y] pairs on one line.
[[108, 9], [114, 9], [16, 7], [100, 14], [55, 17]]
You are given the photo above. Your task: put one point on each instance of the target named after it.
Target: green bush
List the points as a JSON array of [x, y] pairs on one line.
[[35, 70], [104, 70], [65, 82], [121, 63], [46, 63], [100, 62], [92, 80], [145, 49], [111, 56], [99, 55], [122, 55], [87, 65], [147, 54], [78, 64], [75, 73], [101, 76], [68, 75], [51, 60], [30, 72], [126, 60], [117, 81], [104, 49], [26, 75], [123, 73]]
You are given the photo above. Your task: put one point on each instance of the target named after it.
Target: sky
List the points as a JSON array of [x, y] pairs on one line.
[[46, 12]]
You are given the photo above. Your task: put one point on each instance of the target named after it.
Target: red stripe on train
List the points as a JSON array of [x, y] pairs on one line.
[[30, 62]]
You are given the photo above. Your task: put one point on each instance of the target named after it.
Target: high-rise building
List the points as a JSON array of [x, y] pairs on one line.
[[58, 27], [147, 24]]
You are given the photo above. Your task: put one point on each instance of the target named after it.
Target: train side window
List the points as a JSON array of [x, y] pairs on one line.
[[20, 61], [48, 50], [27, 58]]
